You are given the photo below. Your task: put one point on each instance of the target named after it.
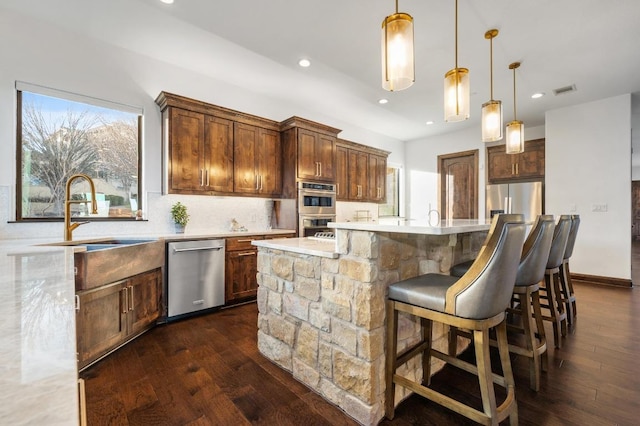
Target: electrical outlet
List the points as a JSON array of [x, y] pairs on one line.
[[601, 208]]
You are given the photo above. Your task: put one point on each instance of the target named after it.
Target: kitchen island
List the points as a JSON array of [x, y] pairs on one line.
[[322, 303]]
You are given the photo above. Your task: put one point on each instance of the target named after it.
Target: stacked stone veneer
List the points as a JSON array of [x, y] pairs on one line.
[[323, 319]]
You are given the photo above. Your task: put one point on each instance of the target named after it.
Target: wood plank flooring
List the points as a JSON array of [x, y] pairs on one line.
[[207, 371]]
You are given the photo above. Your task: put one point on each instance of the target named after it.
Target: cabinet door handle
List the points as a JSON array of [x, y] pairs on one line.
[[247, 253], [517, 169], [319, 168], [257, 183], [244, 241], [201, 177], [124, 301], [337, 188], [207, 177], [77, 303], [131, 304], [260, 182]]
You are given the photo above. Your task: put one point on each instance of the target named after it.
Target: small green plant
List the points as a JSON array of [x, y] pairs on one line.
[[179, 214]]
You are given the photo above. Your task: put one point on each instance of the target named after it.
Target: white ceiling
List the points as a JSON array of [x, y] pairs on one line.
[[589, 43]]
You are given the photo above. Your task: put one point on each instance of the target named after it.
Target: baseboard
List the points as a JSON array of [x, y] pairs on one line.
[[595, 279]]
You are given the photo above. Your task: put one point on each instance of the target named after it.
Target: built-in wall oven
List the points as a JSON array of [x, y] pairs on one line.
[[316, 207]]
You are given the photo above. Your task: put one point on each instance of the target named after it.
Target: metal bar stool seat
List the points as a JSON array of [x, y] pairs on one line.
[[476, 302]]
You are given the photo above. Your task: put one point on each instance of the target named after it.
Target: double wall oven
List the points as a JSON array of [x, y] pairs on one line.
[[316, 207]]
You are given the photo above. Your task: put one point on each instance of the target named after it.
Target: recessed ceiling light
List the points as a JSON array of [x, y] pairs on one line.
[[383, 101], [304, 63], [537, 95], [167, 1], [429, 123]]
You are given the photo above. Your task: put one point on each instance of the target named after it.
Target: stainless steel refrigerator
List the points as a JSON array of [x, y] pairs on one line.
[[525, 197]]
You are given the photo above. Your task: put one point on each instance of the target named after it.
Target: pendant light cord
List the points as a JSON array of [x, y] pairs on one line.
[[514, 94], [491, 65], [456, 38]]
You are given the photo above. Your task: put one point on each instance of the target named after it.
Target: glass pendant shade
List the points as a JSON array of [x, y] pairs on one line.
[[491, 121], [398, 71], [515, 137], [456, 95]]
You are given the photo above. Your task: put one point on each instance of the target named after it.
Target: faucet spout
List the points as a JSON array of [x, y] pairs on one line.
[[68, 226]]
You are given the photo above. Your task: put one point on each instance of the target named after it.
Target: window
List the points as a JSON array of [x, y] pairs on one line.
[[61, 134], [391, 207]]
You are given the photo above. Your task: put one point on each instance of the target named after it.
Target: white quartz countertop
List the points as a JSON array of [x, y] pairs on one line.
[[38, 384], [445, 227], [307, 245]]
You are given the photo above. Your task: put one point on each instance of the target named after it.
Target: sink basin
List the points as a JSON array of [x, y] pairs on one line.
[[108, 260]]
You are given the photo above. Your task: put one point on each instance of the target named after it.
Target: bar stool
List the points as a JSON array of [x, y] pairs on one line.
[[565, 274], [476, 302], [550, 293], [526, 300]]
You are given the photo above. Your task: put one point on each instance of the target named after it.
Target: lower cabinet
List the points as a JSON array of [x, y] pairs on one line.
[[108, 316], [241, 267]]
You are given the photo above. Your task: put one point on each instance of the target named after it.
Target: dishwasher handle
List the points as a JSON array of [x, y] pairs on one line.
[[176, 250]]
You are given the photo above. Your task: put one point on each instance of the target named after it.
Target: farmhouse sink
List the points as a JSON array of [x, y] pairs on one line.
[[103, 261]]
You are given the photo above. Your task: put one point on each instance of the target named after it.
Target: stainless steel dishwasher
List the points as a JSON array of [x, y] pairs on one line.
[[195, 276]]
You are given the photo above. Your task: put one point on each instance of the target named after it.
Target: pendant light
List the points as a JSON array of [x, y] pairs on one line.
[[456, 88], [515, 129], [398, 70], [492, 109]]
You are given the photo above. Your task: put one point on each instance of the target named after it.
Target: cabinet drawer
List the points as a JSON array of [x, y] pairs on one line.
[[242, 243]]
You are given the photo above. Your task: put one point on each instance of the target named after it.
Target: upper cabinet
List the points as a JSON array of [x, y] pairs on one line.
[[528, 165], [213, 150], [309, 151], [361, 172]]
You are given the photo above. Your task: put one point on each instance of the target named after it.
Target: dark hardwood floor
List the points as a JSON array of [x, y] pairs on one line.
[[207, 371]]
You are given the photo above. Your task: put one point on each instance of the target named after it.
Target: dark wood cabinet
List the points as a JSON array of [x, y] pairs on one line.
[[364, 169], [214, 150], [377, 177], [257, 160], [308, 153], [241, 267], [112, 314], [200, 153], [527, 165]]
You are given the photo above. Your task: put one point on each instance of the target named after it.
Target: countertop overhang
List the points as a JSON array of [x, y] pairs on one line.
[[411, 226], [305, 245]]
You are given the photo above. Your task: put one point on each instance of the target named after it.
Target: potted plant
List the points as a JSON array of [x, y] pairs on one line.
[[180, 216]]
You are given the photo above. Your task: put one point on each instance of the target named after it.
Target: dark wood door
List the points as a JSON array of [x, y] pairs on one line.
[[342, 176], [100, 321], [245, 177], [325, 154], [377, 177], [218, 154], [185, 151], [241, 270], [358, 167], [458, 174], [530, 163], [269, 162], [144, 302], [307, 162]]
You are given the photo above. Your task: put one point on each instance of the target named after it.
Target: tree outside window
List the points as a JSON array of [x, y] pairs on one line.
[[61, 137]]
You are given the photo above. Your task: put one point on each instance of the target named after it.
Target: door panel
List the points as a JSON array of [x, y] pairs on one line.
[[458, 174]]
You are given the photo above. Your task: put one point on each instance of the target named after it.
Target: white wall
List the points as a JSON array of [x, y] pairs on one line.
[[40, 53], [421, 166], [588, 161]]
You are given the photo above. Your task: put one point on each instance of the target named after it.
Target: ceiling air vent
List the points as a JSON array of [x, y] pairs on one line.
[[565, 89]]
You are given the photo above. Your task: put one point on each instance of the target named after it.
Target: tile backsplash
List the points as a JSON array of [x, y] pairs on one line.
[[208, 214]]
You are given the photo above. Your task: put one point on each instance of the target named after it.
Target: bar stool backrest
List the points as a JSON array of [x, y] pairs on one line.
[[485, 290], [573, 232], [535, 252], [560, 237]]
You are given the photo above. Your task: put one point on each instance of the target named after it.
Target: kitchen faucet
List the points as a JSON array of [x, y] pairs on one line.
[[68, 226]]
